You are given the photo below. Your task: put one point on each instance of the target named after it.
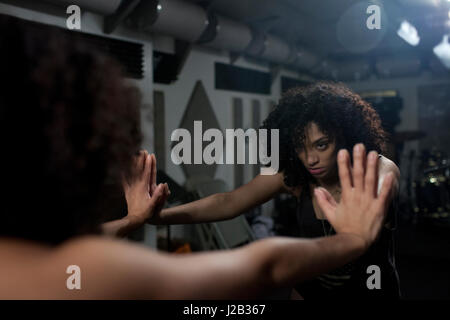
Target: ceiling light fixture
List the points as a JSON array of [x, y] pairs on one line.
[[408, 33], [442, 51]]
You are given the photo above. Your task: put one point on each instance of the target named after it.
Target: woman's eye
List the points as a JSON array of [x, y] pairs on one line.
[[322, 146]]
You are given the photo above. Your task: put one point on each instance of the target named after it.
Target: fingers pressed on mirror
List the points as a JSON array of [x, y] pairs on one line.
[[371, 181], [152, 180], [359, 156], [344, 171]]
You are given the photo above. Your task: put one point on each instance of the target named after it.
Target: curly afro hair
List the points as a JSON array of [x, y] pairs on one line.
[[338, 112], [68, 126]]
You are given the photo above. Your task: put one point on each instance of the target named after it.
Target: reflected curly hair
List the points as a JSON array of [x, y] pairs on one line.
[[338, 112], [68, 125]]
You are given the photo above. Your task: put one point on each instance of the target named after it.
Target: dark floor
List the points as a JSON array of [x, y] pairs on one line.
[[423, 260]]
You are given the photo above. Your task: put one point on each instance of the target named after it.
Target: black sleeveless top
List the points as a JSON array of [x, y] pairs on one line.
[[350, 281]]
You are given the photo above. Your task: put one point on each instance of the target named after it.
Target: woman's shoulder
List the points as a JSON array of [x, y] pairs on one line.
[[41, 271], [15, 250], [385, 165]]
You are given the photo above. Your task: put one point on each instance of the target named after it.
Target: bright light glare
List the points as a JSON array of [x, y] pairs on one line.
[[442, 51], [408, 33]]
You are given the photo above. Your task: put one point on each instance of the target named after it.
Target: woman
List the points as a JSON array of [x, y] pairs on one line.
[[68, 126], [314, 123], [319, 120]]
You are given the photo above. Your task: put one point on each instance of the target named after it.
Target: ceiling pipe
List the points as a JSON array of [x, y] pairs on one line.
[[231, 35], [98, 6], [192, 23], [179, 19], [276, 50], [305, 59]]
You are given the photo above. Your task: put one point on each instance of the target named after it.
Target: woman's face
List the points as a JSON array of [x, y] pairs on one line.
[[318, 153]]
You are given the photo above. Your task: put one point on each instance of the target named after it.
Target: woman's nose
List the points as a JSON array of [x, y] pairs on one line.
[[312, 160]]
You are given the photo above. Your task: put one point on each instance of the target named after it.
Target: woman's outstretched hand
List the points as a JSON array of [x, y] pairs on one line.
[[361, 211], [144, 197]]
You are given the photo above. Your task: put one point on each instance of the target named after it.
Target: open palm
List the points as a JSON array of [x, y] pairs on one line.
[[144, 197]]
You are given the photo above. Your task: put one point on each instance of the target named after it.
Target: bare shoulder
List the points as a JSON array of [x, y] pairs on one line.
[[110, 268], [386, 165], [99, 265]]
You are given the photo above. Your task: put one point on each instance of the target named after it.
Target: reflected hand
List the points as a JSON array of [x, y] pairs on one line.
[[144, 197]]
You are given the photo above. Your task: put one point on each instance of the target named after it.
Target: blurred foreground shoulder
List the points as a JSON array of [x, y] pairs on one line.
[[104, 268], [388, 166]]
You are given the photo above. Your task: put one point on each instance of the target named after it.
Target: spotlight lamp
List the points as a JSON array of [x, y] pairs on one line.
[[442, 51], [408, 33]]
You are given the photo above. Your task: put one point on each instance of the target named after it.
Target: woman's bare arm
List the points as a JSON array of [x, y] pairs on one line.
[[121, 227], [223, 206], [113, 269]]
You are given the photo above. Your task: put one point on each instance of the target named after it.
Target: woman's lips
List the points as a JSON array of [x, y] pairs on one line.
[[316, 171]]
